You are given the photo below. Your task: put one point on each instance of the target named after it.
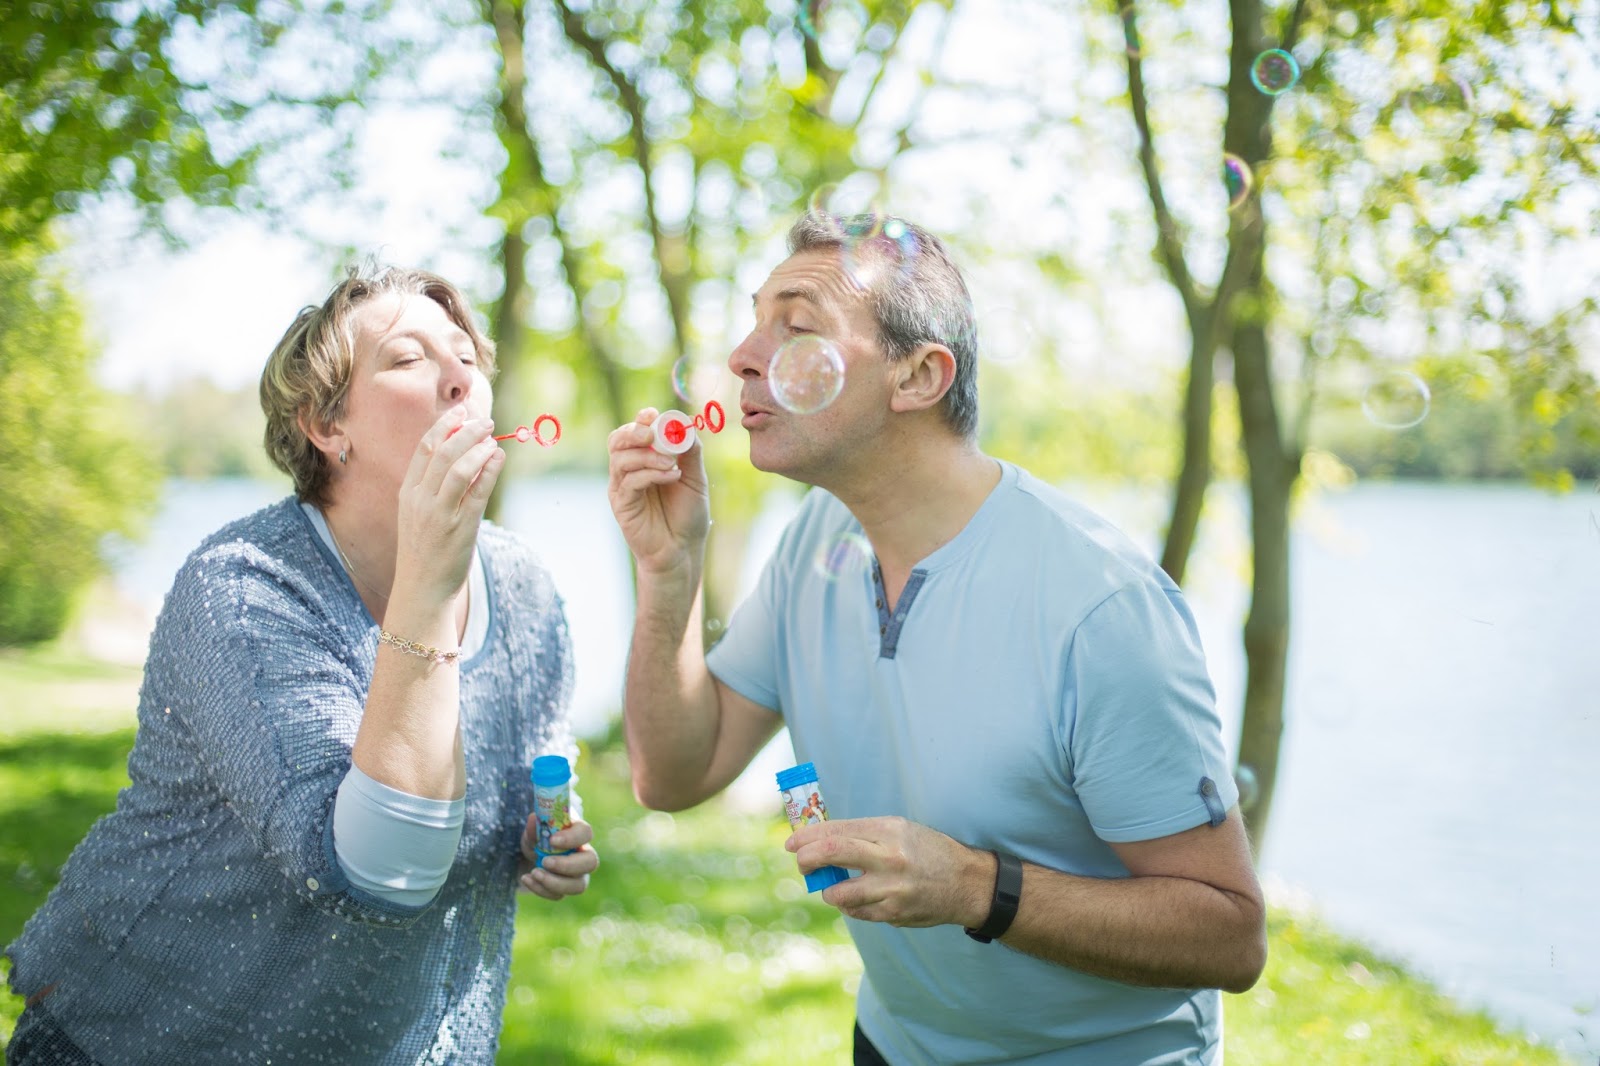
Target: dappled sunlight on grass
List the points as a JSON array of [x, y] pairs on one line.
[[697, 942]]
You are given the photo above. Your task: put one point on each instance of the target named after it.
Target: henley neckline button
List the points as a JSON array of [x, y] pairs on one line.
[[311, 883]]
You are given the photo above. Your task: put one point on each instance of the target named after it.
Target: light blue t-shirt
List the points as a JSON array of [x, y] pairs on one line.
[[1039, 688]]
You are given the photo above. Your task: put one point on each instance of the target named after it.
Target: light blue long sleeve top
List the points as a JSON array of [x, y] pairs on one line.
[[207, 918]]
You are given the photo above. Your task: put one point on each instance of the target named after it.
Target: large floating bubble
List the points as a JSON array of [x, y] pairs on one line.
[[1397, 400], [1274, 72], [806, 375], [878, 250]]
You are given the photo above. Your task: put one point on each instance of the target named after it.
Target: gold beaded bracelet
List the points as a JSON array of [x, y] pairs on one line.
[[421, 651]]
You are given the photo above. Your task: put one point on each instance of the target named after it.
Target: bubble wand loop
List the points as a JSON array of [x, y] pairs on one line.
[[524, 434], [675, 432]]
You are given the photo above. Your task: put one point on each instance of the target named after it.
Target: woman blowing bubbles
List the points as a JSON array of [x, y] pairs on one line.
[[330, 807]]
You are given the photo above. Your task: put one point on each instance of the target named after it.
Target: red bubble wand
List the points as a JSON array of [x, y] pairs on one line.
[[675, 432]]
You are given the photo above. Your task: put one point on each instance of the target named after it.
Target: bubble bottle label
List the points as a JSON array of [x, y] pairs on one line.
[[552, 802], [803, 803]]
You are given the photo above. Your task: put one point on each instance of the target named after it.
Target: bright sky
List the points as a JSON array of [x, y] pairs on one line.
[[216, 309]]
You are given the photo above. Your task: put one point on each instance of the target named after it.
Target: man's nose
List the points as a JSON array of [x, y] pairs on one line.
[[750, 358]]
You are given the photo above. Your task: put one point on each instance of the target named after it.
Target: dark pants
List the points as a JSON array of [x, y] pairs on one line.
[[866, 1054], [39, 1041]]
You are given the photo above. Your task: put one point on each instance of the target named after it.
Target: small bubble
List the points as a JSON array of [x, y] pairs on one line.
[[1130, 33], [820, 202], [806, 375], [692, 381], [1397, 400], [820, 18], [1005, 335], [1237, 180], [845, 555], [1249, 789], [524, 434], [1274, 72]]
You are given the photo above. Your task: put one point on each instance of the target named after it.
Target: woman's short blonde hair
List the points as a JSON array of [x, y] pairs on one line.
[[307, 376]]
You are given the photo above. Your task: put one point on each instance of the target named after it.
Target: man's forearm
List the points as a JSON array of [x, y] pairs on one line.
[[1165, 932], [669, 703]]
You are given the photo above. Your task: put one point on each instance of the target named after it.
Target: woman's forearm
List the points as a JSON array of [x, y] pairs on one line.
[[410, 735]]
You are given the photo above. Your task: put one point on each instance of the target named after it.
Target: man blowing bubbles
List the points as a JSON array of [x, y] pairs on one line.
[[1011, 711]]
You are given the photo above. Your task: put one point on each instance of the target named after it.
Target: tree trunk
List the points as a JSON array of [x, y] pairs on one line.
[[509, 346], [1194, 473], [1266, 630]]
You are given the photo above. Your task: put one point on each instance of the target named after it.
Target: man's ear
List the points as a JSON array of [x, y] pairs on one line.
[[923, 378]]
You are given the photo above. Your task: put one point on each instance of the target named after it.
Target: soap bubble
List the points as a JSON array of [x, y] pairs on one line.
[[692, 380], [806, 374], [1005, 335], [1237, 179], [1130, 32], [1397, 400], [1249, 789], [1274, 72], [818, 18], [878, 249], [843, 555], [1446, 93]]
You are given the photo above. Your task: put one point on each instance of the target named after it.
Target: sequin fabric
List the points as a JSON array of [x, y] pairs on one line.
[[206, 919]]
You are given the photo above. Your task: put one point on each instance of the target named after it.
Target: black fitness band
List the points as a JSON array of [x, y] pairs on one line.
[[1007, 893]]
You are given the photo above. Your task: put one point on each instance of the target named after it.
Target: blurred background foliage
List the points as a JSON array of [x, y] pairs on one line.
[[73, 470], [1421, 205]]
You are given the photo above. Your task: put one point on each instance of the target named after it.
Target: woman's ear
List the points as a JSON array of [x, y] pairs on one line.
[[924, 377], [327, 437]]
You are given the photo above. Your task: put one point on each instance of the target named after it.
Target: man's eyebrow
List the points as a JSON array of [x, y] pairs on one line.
[[794, 292]]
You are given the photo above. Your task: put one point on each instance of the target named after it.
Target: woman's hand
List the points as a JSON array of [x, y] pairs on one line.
[[560, 876], [661, 502], [442, 500]]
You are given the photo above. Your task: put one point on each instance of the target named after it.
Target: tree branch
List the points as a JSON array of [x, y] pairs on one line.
[[1169, 239], [672, 277]]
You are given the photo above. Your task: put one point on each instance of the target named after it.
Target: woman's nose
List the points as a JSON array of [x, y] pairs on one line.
[[456, 381]]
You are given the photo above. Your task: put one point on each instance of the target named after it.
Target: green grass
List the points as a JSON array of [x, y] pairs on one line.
[[696, 942]]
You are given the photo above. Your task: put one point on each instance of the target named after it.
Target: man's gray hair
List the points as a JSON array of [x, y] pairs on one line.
[[915, 290]]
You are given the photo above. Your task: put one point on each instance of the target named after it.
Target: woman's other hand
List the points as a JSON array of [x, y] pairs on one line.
[[559, 876]]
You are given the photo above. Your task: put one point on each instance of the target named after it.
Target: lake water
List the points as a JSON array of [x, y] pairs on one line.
[[1439, 794]]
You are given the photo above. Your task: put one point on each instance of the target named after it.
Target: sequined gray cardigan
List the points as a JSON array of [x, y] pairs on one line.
[[206, 919]]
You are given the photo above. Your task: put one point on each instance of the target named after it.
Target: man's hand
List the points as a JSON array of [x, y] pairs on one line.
[[561, 875], [910, 875], [661, 502]]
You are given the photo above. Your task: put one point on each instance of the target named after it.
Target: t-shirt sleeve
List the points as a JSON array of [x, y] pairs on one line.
[[746, 658], [1144, 738], [271, 701]]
